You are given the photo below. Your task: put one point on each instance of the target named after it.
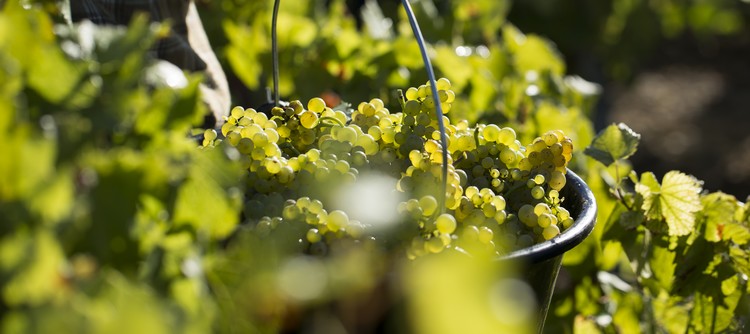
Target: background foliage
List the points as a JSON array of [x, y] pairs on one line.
[[103, 194]]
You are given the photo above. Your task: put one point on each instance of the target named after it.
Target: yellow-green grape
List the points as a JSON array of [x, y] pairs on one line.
[[412, 108], [429, 205], [445, 223], [443, 84], [411, 93], [316, 105], [541, 208], [489, 210], [539, 179], [434, 245], [237, 112], [491, 132], [337, 220], [260, 139], [368, 109], [546, 219], [285, 175], [273, 165], [557, 180], [537, 192], [378, 103], [567, 222], [245, 146], [346, 134], [308, 119], [313, 235], [506, 136], [562, 213], [485, 235], [341, 166], [549, 138], [550, 232], [500, 217], [227, 127], [284, 131], [470, 233], [209, 134], [527, 216], [423, 91], [507, 156], [233, 138]]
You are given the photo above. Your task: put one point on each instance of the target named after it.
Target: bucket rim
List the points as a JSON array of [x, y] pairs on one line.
[[584, 223]]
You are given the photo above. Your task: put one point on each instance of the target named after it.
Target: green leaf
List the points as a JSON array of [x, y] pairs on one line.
[[613, 143], [662, 263], [676, 201], [679, 202], [204, 201], [718, 212]]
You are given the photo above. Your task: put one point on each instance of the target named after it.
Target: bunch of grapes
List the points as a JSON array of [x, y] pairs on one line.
[[499, 196]]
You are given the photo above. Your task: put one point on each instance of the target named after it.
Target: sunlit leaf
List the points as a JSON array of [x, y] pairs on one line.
[[718, 212], [679, 201], [615, 142]]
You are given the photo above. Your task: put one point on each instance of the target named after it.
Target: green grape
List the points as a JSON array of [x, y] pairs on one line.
[[445, 223], [237, 112], [491, 132], [545, 220], [234, 138], [527, 216], [308, 119], [550, 232], [541, 208], [507, 156], [245, 146], [313, 235], [500, 216], [337, 220], [557, 180], [506, 136], [210, 134], [428, 204], [412, 108], [537, 192], [434, 245], [316, 105], [489, 210], [411, 94], [443, 84], [485, 235]]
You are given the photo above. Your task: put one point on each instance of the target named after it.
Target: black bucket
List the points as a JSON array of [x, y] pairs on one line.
[[539, 264]]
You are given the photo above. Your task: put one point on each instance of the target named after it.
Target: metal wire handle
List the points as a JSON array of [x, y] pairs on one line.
[[430, 74], [433, 86]]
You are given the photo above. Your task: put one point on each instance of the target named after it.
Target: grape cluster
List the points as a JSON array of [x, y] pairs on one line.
[[500, 195]]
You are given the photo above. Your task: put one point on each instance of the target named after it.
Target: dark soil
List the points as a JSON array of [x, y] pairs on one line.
[[691, 105]]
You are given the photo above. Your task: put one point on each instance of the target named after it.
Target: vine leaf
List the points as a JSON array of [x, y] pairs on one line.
[[676, 201], [616, 142], [718, 212]]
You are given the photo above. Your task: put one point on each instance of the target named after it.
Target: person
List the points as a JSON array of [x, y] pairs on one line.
[[187, 46]]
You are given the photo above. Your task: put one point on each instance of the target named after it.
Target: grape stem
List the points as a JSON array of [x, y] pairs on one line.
[[288, 145], [433, 86], [328, 118]]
